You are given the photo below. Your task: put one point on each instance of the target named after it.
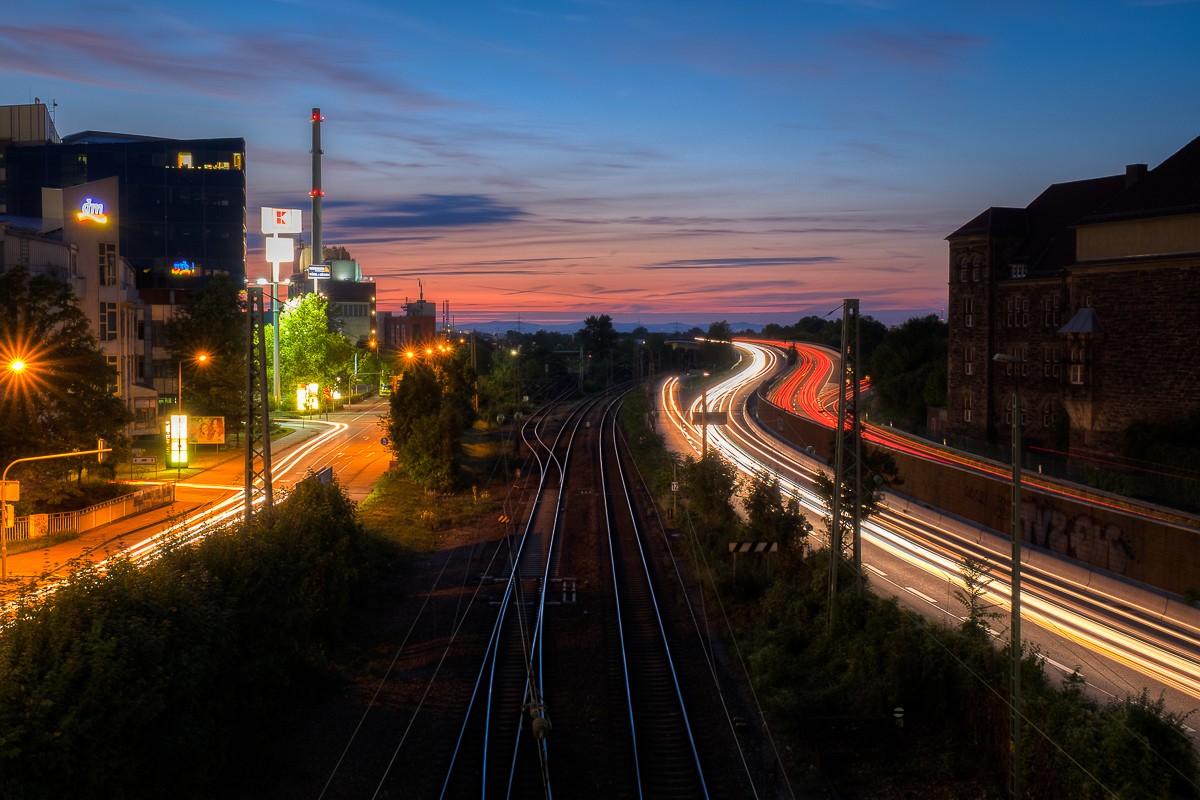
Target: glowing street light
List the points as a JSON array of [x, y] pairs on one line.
[[199, 358], [177, 435], [16, 365]]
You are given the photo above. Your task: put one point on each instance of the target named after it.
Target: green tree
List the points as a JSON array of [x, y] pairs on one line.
[[709, 484], [598, 335], [309, 352], [64, 399], [878, 471], [212, 324], [976, 576], [717, 352], [908, 370], [599, 340], [771, 517], [430, 408]]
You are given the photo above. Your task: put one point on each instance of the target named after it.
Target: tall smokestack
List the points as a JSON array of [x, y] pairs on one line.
[[318, 254]]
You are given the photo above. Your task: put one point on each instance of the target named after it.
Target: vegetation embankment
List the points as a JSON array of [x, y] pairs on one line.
[[154, 681], [830, 685]]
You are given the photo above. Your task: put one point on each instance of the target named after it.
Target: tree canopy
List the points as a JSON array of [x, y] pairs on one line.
[[309, 352], [207, 338], [64, 398]]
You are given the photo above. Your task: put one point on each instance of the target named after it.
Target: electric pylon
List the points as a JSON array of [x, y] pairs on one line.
[[258, 409]]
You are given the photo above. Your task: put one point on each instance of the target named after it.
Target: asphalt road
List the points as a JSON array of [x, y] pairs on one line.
[[349, 441]]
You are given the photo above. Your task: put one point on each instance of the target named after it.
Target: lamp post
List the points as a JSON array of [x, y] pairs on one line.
[[199, 358], [1015, 625]]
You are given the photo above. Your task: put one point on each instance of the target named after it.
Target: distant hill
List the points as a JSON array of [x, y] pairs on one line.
[[527, 326]]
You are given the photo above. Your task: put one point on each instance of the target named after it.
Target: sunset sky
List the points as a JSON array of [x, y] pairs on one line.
[[660, 162]]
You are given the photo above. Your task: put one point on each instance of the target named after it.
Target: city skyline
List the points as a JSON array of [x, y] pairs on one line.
[[656, 162]]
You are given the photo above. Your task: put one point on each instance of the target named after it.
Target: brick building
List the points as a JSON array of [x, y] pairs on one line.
[[1091, 295]]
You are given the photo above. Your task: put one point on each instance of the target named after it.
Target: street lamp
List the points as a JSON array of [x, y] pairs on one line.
[[1015, 625], [200, 358]]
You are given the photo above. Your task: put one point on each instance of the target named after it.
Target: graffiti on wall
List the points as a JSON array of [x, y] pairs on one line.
[[1079, 536]]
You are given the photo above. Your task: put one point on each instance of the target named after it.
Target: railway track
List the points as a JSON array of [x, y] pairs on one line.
[[573, 666]]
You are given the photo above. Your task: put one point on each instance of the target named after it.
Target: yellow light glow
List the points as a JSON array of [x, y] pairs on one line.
[[16, 365]]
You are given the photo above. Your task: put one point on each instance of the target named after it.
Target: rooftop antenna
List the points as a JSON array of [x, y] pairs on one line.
[[421, 288]]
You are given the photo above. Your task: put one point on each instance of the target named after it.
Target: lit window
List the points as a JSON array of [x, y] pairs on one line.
[[185, 160]]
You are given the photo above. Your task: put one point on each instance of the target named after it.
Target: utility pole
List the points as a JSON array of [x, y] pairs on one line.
[[1015, 624], [258, 406], [847, 454]]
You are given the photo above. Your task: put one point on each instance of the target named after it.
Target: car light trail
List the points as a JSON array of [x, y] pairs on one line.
[[200, 523], [1138, 637]]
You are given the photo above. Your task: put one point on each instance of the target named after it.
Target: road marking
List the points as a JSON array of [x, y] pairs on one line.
[[876, 570], [921, 595]]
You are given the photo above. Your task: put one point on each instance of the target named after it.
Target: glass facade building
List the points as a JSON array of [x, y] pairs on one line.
[[183, 202]]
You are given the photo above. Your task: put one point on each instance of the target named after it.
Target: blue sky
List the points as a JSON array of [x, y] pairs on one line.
[[656, 161]]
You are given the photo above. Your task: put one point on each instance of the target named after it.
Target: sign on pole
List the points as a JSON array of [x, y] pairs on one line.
[[280, 220]]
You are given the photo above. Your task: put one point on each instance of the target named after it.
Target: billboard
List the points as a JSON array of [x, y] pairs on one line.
[[280, 220], [177, 436], [206, 430]]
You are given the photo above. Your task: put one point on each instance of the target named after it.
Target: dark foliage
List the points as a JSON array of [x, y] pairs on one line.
[[148, 682]]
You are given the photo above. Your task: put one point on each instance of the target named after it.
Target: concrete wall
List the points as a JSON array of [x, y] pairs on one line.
[[1163, 554]]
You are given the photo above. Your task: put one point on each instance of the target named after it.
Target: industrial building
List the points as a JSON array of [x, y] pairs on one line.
[[1090, 296]]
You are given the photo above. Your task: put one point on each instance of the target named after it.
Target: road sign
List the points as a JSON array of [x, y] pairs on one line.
[[145, 459], [11, 492], [674, 486], [753, 547], [384, 441]]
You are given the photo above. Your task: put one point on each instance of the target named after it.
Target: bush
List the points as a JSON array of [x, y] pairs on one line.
[[147, 681]]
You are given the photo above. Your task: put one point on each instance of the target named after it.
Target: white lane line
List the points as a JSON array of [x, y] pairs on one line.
[[921, 595]]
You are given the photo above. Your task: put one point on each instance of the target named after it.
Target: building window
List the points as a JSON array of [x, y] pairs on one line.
[[108, 322], [1050, 313], [1018, 270], [967, 408], [1077, 374], [1008, 410], [185, 161], [114, 388], [107, 253], [969, 360], [968, 313], [1051, 356], [1009, 315], [1023, 307], [1049, 414]]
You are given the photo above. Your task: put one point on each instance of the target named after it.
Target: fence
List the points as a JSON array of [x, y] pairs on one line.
[[38, 525]]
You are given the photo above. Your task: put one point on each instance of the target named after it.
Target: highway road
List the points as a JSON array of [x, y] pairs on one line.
[[211, 492], [1120, 642]]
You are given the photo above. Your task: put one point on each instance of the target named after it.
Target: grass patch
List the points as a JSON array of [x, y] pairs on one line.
[[402, 512], [40, 543]]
